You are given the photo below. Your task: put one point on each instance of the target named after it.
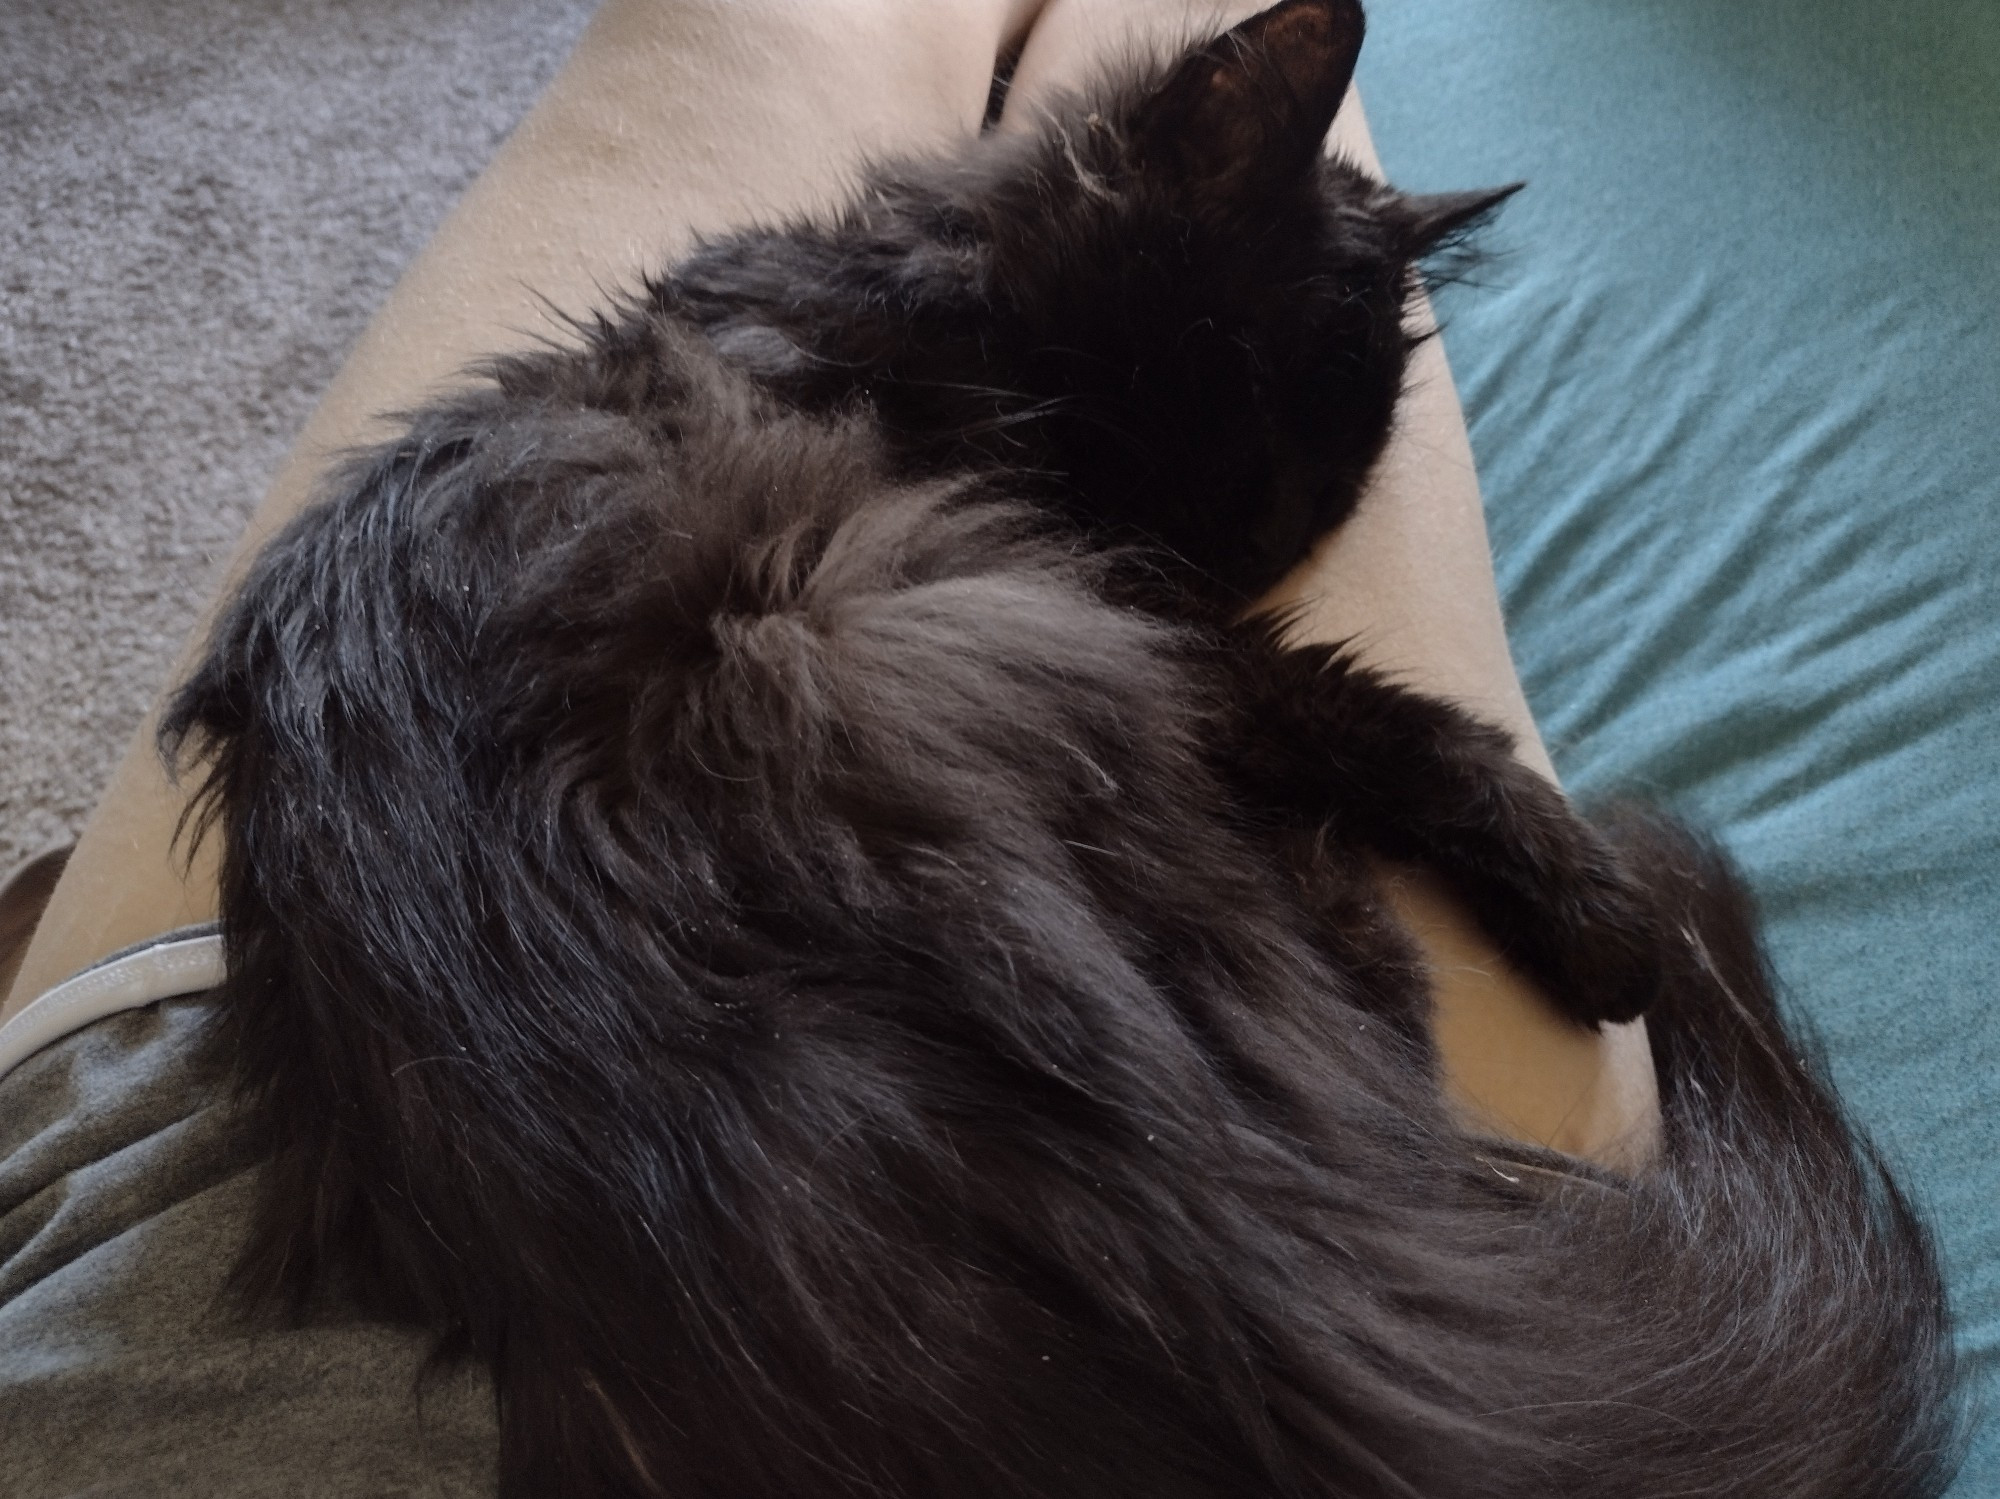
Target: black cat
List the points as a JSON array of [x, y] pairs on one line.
[[769, 901]]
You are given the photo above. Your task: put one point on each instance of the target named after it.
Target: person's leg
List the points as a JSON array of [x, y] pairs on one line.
[[668, 119], [673, 118], [1409, 581]]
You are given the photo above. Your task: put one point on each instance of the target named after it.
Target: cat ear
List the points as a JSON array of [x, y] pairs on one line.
[[1434, 219], [1257, 101]]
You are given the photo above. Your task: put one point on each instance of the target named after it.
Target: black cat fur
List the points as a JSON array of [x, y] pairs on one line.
[[768, 902]]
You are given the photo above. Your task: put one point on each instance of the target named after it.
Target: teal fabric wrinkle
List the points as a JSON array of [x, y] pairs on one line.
[[1733, 382]]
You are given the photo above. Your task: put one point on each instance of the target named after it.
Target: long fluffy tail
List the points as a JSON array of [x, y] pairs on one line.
[[1778, 1305]]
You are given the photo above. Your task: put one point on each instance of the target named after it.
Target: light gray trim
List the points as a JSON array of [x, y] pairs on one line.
[[181, 962]]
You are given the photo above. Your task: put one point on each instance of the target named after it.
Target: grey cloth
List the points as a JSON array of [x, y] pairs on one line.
[[125, 1186]]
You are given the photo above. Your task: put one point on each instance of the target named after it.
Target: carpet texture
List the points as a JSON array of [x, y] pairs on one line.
[[200, 205]]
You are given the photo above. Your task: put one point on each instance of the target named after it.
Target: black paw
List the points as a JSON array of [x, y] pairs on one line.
[[1597, 943]]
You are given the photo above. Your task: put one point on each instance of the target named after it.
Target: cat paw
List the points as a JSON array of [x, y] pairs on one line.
[[1603, 958]]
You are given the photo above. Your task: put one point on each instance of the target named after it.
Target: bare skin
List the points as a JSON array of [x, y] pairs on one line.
[[674, 118]]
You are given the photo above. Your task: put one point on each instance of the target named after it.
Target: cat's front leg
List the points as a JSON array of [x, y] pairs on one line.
[[1320, 739]]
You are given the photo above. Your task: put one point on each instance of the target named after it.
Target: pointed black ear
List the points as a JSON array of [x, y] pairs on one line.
[[1433, 220], [1257, 100]]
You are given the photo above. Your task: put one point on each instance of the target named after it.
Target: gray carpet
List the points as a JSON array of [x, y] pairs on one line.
[[200, 204]]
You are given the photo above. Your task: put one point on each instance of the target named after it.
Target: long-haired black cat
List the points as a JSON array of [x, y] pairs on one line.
[[769, 901]]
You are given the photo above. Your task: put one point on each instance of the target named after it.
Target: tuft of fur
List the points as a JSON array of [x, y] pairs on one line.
[[768, 902]]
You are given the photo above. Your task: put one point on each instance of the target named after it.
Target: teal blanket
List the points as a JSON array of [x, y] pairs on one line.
[[1734, 386]]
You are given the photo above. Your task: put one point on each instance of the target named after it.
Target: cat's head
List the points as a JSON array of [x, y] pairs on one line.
[[1214, 309]]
